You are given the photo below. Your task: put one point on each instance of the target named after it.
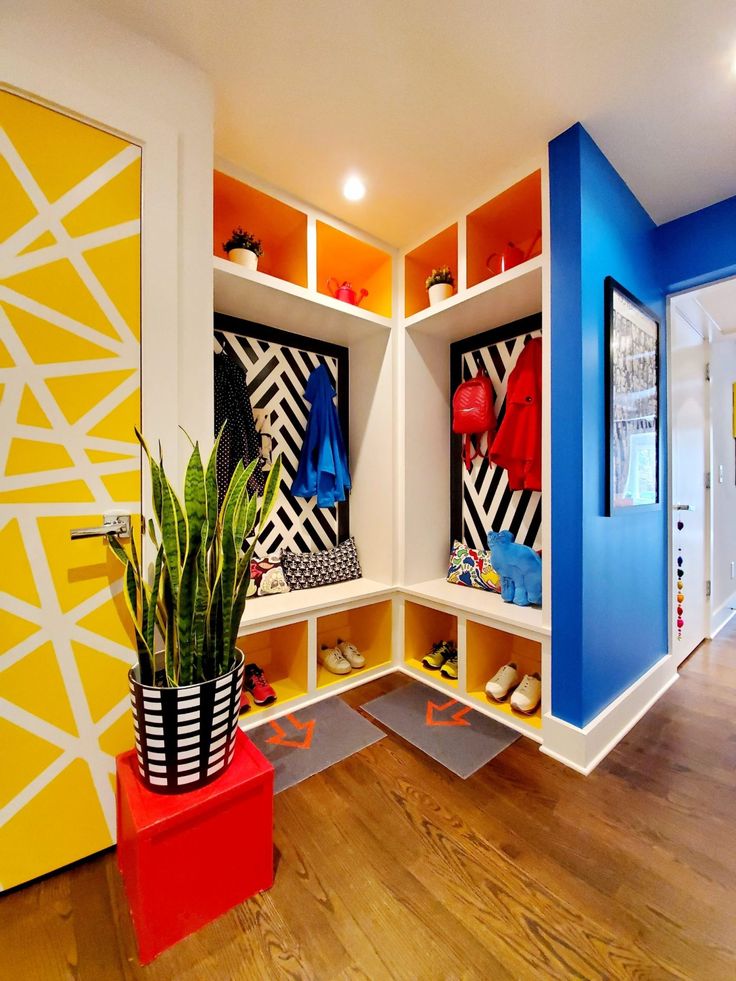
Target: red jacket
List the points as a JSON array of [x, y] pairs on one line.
[[518, 444]]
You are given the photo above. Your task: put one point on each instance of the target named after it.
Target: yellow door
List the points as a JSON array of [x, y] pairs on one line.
[[69, 400]]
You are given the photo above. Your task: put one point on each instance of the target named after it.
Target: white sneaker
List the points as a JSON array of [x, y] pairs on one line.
[[502, 682], [526, 697], [351, 653], [332, 658]]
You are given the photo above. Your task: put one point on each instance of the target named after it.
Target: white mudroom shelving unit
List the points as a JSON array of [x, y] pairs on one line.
[[399, 437]]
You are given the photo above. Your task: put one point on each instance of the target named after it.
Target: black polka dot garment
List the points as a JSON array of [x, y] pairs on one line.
[[239, 441]]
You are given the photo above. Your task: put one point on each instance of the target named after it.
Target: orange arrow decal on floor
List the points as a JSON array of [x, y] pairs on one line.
[[454, 720], [280, 737]]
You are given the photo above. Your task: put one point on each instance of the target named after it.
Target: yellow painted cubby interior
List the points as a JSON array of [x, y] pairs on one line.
[[281, 228], [487, 650], [282, 652], [367, 627], [513, 216], [440, 250], [425, 626], [343, 257]]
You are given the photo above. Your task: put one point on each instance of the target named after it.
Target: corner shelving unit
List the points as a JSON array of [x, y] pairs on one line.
[[400, 398]]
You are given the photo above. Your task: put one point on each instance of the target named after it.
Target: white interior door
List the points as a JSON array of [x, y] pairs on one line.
[[689, 412]]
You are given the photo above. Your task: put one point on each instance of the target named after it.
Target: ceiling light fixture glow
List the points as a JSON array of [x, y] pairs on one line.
[[353, 188]]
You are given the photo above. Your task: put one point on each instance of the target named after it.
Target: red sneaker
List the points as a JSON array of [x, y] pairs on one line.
[[244, 702], [258, 686]]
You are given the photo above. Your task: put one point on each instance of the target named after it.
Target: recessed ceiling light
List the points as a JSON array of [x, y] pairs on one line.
[[353, 188]]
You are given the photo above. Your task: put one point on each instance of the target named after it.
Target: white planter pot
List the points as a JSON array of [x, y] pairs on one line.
[[243, 257], [439, 292]]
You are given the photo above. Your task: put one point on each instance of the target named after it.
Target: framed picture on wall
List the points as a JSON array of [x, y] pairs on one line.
[[632, 402]]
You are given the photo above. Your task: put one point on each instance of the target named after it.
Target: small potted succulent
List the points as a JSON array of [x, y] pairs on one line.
[[186, 610], [243, 248], [440, 284]]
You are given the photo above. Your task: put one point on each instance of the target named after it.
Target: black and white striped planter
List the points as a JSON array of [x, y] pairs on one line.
[[185, 737]]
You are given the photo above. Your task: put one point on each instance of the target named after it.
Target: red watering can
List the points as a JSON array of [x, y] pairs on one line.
[[498, 262], [345, 292]]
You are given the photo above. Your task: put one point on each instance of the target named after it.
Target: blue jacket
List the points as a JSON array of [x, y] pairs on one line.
[[323, 467]]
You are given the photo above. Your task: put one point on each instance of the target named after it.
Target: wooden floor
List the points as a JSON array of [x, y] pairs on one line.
[[391, 867]]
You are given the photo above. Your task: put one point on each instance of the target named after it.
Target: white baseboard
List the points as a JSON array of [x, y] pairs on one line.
[[583, 749], [720, 617]]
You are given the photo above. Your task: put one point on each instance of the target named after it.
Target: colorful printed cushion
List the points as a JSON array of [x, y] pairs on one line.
[[305, 570], [267, 577], [472, 567]]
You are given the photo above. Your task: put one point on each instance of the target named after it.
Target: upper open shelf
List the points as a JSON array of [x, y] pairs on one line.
[[301, 602], [505, 231], [281, 228], [343, 258], [256, 296], [501, 300], [438, 251]]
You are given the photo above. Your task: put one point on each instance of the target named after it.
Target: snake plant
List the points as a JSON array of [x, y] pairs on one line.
[[196, 597]]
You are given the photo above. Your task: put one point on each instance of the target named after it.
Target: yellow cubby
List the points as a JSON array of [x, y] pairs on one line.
[[440, 250], [512, 217], [368, 627], [344, 258], [423, 627], [282, 652], [488, 649], [281, 228]]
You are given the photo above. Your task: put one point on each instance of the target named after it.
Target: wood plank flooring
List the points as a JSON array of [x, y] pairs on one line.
[[388, 866]]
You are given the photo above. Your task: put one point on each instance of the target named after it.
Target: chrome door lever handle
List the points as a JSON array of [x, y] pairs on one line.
[[114, 523]]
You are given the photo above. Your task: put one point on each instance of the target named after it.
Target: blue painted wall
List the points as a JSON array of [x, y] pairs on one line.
[[698, 248], [617, 565]]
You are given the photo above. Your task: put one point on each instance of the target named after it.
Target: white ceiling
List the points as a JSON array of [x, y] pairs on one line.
[[434, 103], [719, 302]]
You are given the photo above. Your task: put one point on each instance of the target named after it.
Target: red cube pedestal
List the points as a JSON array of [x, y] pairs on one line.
[[187, 858]]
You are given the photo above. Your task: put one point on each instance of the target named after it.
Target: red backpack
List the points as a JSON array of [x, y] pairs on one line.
[[473, 414]]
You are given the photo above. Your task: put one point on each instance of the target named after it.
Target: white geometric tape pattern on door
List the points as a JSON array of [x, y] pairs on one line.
[[277, 376], [488, 503], [69, 396]]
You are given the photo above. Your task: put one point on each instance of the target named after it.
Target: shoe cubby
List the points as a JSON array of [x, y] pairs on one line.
[[282, 652], [281, 228], [440, 250], [369, 628], [486, 650], [514, 216], [424, 627], [344, 258]]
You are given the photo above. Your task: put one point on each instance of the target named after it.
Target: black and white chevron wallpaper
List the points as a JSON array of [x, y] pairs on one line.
[[487, 501], [277, 376]]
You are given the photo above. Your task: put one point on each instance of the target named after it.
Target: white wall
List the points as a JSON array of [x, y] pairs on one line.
[[723, 375], [70, 57]]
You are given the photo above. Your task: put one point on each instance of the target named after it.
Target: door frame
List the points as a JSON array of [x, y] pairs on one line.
[[672, 301]]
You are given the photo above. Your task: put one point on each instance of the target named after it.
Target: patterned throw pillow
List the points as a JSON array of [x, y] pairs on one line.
[[304, 570], [267, 577], [472, 567]]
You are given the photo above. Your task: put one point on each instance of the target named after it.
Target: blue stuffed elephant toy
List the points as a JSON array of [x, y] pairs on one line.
[[519, 567]]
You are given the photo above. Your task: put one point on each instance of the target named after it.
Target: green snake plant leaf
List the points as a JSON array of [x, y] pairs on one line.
[[250, 519], [155, 477], [154, 599], [185, 617], [228, 573], [201, 604], [270, 492], [210, 481], [237, 473], [118, 551], [195, 498], [170, 539], [241, 593], [170, 638]]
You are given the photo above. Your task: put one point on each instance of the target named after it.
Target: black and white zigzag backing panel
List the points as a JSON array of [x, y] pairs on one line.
[[277, 376], [487, 501]]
